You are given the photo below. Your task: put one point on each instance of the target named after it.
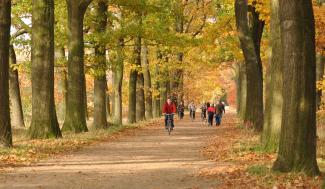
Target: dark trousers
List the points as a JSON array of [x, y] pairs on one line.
[[210, 118], [172, 119], [218, 119]]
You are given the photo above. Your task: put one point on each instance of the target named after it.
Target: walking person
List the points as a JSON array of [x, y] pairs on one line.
[[180, 110], [192, 109], [204, 112], [220, 110], [211, 112]]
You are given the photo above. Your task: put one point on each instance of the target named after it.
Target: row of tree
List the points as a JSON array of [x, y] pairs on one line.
[[289, 119], [113, 34]]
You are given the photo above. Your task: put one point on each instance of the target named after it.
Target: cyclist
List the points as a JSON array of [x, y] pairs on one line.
[[192, 109], [169, 108], [204, 111], [180, 110]]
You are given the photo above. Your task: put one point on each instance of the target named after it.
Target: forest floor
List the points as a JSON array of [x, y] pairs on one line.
[[193, 157]]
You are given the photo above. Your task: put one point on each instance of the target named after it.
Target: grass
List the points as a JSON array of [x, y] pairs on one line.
[[27, 151], [258, 170]]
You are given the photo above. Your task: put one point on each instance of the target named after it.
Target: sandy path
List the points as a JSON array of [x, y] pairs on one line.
[[149, 160]]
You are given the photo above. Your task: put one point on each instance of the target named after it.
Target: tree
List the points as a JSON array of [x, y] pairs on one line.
[[254, 75], [133, 80], [44, 122], [75, 119], [241, 90], [117, 68], [5, 126], [100, 85], [297, 148], [274, 96], [147, 81], [16, 109]]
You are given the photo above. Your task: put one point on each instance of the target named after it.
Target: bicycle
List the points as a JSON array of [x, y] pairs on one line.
[[169, 126]]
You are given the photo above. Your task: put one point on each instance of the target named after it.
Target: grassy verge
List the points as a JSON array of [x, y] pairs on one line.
[[26, 152], [241, 162]]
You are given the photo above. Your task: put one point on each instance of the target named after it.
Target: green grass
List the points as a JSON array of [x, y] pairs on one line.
[[258, 170]]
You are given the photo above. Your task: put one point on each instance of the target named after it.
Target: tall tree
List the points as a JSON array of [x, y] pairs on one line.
[[254, 75], [274, 97], [118, 67], [241, 90], [44, 122], [100, 85], [297, 149], [320, 63], [133, 80], [5, 126], [147, 81], [16, 109], [75, 119]]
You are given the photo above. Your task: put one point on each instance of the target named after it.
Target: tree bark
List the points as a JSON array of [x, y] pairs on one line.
[[133, 80], [75, 119], [320, 62], [100, 83], [44, 122], [254, 75], [16, 109], [297, 148], [147, 82], [140, 107], [274, 81], [118, 68], [5, 126], [241, 90], [156, 88], [63, 83]]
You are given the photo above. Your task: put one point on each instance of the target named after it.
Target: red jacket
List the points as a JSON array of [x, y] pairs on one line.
[[169, 108], [211, 109]]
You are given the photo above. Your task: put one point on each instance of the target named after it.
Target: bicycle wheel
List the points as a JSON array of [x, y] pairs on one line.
[[169, 126]]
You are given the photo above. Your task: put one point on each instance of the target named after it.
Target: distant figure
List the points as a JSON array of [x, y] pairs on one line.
[[169, 109], [204, 111], [220, 110], [180, 110], [211, 112], [192, 109]]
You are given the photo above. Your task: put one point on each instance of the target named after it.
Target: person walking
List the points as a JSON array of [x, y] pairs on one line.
[[192, 109], [220, 110], [180, 110], [211, 112]]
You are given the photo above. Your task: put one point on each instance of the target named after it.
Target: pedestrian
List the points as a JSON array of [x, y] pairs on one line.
[[211, 112]]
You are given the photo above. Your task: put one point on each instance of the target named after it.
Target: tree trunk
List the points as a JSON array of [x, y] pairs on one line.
[[156, 88], [297, 148], [140, 107], [133, 80], [100, 84], [118, 68], [147, 82], [75, 119], [254, 75], [241, 86], [274, 81], [44, 122], [5, 126], [17, 115], [63, 83], [320, 62]]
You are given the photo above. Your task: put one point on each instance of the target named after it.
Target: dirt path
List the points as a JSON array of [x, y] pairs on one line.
[[149, 160]]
